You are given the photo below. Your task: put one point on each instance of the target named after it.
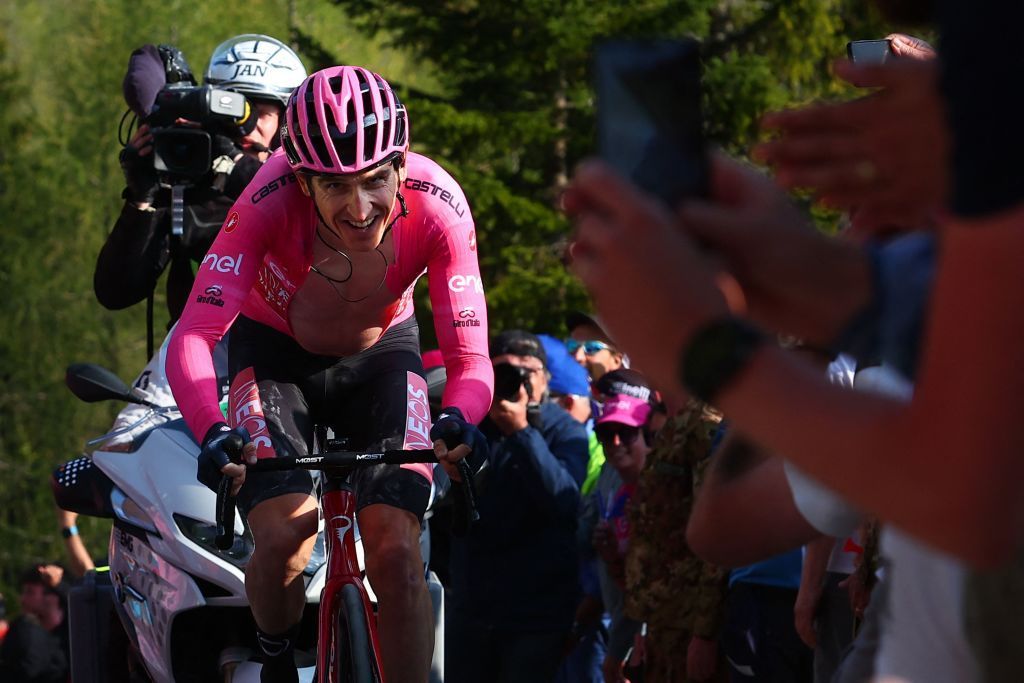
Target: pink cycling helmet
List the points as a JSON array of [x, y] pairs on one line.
[[344, 119]]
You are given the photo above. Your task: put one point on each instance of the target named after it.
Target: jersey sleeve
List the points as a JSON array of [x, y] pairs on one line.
[[223, 282], [460, 319]]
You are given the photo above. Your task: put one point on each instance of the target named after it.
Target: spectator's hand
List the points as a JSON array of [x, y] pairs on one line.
[[52, 573], [217, 456], [701, 659], [511, 416], [794, 279], [909, 47], [807, 599], [884, 157], [137, 164], [859, 594], [639, 267], [451, 428], [223, 146], [66, 518]]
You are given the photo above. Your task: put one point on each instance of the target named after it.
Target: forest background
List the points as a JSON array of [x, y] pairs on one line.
[[498, 92]]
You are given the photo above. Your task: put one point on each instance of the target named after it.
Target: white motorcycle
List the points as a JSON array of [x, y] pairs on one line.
[[172, 606]]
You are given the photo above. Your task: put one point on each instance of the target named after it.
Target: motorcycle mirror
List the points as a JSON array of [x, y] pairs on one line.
[[93, 383]]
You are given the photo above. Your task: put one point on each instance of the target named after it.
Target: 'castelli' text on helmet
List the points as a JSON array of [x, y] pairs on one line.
[[344, 119]]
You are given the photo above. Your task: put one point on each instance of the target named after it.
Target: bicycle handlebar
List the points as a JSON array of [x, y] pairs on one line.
[[327, 461]]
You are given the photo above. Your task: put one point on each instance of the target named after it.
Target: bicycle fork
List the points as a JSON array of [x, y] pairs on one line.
[[338, 502]]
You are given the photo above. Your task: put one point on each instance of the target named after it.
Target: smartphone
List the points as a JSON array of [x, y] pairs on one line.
[[870, 51], [649, 115]]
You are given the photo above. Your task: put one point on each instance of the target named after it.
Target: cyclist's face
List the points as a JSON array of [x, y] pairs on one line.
[[357, 207]]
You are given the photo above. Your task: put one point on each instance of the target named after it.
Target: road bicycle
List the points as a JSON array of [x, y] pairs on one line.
[[347, 647]]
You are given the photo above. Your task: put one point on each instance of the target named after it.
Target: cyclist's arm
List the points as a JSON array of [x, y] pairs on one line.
[[460, 319], [223, 282]]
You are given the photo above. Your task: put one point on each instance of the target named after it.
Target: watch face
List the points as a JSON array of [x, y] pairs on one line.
[[716, 354]]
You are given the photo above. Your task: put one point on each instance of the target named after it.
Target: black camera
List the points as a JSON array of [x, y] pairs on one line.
[[183, 151], [508, 379]]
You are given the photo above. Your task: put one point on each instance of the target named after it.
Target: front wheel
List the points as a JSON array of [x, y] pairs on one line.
[[351, 651]]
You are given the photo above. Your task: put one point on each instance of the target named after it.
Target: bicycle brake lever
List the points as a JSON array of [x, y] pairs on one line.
[[466, 472], [225, 514]]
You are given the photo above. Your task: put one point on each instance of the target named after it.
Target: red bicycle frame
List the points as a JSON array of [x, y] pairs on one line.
[[338, 503]]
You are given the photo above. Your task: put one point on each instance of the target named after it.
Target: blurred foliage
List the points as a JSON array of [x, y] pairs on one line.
[[499, 93]]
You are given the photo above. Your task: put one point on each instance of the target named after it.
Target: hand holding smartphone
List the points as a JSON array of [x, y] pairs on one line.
[[649, 116]]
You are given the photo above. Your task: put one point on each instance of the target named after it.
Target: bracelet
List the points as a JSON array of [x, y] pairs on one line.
[[69, 531], [716, 354]]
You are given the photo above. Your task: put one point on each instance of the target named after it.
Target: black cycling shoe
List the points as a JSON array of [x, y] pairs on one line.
[[278, 657]]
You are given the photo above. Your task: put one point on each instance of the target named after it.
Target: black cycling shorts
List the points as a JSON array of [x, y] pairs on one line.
[[280, 391]]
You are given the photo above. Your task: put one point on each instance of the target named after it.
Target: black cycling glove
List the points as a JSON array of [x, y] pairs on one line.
[[452, 428], [139, 175], [220, 446]]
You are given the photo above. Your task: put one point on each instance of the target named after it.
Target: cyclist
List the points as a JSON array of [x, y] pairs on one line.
[[313, 272]]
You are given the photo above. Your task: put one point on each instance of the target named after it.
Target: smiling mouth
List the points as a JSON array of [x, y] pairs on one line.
[[364, 225]]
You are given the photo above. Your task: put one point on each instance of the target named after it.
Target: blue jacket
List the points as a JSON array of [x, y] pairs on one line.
[[517, 568]]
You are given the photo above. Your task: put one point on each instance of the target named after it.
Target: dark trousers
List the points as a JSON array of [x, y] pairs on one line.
[[760, 640], [476, 653], [834, 623]]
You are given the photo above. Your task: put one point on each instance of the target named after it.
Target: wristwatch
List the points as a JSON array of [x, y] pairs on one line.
[[716, 354]]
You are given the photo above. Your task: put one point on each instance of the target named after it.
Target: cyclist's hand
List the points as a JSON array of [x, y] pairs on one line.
[[455, 439], [137, 164], [222, 453]]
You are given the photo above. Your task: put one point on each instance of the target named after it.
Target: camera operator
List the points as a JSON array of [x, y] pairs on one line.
[[141, 244], [514, 575]]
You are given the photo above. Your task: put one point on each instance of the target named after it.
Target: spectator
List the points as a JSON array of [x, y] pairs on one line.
[[78, 554], [514, 585], [569, 387], [4, 624], [36, 647], [591, 346], [627, 240], [679, 596], [604, 525]]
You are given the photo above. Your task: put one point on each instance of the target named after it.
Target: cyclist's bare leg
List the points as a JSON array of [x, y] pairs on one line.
[[391, 543], [284, 531]]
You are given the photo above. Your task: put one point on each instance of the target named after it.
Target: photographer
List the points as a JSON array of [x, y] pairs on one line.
[[514, 576], [141, 245]]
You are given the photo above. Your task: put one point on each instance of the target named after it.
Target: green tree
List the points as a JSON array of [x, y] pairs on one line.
[[515, 107]]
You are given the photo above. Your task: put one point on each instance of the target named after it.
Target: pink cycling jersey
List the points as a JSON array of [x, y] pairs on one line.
[[262, 256]]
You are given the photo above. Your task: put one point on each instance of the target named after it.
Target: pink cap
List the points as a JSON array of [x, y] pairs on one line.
[[626, 410]]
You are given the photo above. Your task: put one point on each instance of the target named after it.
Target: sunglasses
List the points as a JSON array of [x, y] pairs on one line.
[[607, 432], [589, 347]]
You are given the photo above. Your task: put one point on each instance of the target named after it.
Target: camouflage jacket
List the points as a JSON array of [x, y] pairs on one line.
[[666, 584]]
